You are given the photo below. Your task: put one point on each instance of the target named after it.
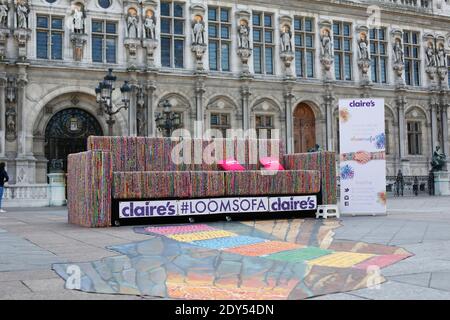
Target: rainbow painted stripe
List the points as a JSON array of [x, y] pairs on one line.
[[205, 236]]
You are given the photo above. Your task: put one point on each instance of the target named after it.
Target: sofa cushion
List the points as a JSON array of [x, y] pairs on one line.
[[202, 184], [151, 185], [260, 183], [207, 184]]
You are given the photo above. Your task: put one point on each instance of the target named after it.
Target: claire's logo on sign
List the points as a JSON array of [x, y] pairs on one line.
[[362, 104], [142, 209], [147, 209], [292, 203]]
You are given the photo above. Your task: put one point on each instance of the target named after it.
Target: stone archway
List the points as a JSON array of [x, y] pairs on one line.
[[304, 128], [67, 132]]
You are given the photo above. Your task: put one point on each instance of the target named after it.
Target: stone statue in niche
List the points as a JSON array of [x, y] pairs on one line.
[[22, 11], [244, 32], [150, 25], [286, 36], [10, 124], [441, 56], [132, 24], [198, 30], [326, 43], [363, 47], [4, 10], [431, 55], [398, 51], [78, 20]]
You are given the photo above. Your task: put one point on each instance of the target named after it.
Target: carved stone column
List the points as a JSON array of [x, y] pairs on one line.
[[401, 103], [199, 92], [434, 106], [328, 101], [25, 161], [132, 110], [150, 118], [288, 97], [245, 96], [444, 119], [3, 81]]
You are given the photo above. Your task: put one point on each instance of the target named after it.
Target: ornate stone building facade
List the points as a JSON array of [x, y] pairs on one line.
[[221, 64]]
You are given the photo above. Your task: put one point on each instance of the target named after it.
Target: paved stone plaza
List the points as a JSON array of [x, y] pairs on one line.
[[32, 240]]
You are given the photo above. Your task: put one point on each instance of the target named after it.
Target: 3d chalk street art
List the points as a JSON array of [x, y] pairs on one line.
[[276, 259]]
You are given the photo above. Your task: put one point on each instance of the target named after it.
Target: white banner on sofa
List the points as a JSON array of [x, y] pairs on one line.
[[169, 208], [362, 156]]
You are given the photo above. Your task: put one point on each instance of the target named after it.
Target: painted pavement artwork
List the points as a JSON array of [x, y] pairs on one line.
[[276, 259]]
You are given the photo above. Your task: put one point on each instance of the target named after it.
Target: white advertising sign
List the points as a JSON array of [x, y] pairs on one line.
[[362, 156], [148, 209]]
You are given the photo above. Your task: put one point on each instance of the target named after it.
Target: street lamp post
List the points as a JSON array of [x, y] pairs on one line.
[[168, 121], [104, 92]]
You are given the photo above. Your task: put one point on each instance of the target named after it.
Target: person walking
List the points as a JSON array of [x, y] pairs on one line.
[[400, 183], [3, 178], [416, 186]]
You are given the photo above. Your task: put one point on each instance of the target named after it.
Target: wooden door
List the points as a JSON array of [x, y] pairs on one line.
[[304, 128]]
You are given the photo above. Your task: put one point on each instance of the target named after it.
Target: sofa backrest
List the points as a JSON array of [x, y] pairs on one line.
[[166, 154]]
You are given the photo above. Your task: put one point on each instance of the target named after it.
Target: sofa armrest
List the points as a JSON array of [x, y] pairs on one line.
[[89, 181], [323, 161]]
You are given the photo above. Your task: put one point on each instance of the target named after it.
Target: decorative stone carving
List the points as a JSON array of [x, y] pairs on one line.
[[132, 20], [78, 42], [4, 14], [150, 45], [244, 50], [132, 46], [22, 36], [4, 34], [10, 113], [363, 53], [22, 13], [198, 44], [430, 57], [398, 63]]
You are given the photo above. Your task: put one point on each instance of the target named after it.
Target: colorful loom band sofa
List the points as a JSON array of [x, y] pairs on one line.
[[125, 168]]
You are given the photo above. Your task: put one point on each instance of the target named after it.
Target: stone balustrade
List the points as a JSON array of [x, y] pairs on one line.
[[33, 195], [417, 4]]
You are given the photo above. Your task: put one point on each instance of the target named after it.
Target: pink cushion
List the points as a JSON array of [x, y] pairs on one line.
[[230, 165], [271, 163]]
